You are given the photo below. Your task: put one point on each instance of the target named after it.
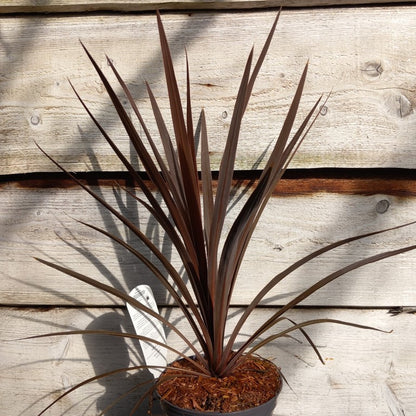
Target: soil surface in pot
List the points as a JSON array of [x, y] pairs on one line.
[[255, 381]]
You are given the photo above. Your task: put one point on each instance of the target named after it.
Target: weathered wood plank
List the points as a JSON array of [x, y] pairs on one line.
[[366, 372], [369, 120], [65, 6], [37, 222]]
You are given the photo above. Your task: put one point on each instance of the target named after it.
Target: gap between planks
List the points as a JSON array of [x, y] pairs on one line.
[[82, 6], [392, 310], [395, 182]]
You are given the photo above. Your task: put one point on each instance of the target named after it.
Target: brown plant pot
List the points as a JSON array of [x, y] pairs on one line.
[[251, 390]]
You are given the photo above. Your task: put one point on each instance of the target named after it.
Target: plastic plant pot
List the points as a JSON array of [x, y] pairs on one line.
[[265, 409]]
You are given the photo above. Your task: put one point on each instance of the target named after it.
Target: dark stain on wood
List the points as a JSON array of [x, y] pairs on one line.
[[395, 182], [394, 187], [57, 180]]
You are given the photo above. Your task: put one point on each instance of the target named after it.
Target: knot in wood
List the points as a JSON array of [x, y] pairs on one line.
[[373, 69], [382, 206], [404, 106], [324, 110], [35, 120]]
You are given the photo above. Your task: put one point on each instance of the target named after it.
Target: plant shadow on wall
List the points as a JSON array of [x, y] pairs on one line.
[[101, 350], [106, 356], [194, 223]]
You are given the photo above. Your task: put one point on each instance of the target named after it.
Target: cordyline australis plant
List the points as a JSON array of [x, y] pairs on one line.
[[194, 220]]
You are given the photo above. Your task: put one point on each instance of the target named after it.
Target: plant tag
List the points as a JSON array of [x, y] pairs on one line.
[[148, 326]]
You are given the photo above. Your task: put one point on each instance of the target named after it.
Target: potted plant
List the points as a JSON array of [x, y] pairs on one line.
[[221, 377]]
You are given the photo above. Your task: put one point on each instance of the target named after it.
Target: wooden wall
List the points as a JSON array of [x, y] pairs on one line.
[[355, 173]]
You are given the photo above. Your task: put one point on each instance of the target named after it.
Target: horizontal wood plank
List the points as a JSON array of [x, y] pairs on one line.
[[366, 372], [65, 6], [39, 222], [368, 121]]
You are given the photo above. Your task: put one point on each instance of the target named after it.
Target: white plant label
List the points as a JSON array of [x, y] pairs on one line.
[[148, 326]]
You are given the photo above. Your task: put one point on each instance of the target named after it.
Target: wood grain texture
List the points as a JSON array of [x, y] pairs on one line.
[[366, 372], [365, 55], [64, 6], [38, 222], [369, 120]]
